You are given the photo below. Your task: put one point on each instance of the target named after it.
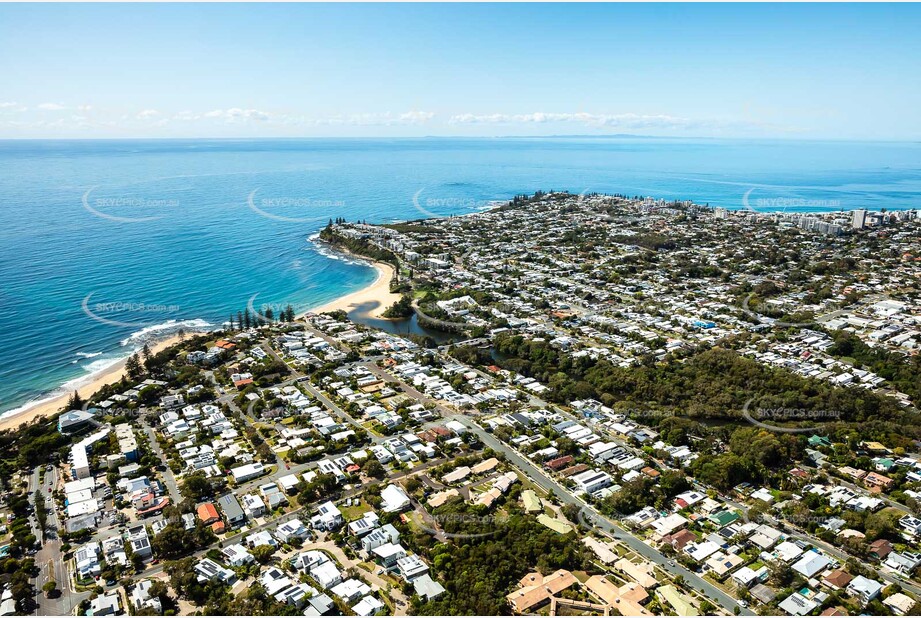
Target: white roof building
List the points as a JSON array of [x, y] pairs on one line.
[[394, 499]]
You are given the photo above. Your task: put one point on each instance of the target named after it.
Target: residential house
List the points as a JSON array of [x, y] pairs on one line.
[[233, 512], [864, 589]]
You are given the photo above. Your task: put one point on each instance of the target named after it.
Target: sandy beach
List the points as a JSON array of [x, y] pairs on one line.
[[45, 408], [377, 297]]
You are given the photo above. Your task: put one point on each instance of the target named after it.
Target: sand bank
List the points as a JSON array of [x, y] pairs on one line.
[[373, 299], [50, 406]]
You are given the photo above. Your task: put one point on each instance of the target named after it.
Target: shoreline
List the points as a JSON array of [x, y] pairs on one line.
[[52, 405], [378, 291]]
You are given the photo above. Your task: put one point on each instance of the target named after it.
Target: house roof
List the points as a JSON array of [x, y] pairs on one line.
[[207, 511], [680, 539], [881, 547], [838, 578], [535, 589]]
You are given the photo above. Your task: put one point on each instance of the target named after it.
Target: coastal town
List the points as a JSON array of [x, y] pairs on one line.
[[608, 405]]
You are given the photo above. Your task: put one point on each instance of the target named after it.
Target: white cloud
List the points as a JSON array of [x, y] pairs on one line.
[[147, 114], [627, 121], [385, 119], [236, 114], [51, 107], [12, 106], [186, 115], [413, 117], [416, 117]]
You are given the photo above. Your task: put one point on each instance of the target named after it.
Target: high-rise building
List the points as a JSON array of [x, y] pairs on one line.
[[858, 219]]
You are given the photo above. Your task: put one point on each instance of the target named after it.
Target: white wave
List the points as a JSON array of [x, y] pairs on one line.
[[332, 254], [101, 365], [92, 370], [33, 403], [169, 327]]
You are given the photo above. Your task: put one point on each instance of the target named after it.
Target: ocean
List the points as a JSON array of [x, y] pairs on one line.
[[106, 244]]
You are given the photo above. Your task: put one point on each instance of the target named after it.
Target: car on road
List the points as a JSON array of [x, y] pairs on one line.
[[742, 603]]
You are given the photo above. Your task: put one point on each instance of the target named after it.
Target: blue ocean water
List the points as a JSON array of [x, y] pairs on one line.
[[104, 244]]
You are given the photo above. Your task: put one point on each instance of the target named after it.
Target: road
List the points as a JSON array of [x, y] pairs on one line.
[[238, 537], [168, 478], [612, 529], [545, 481], [50, 560], [800, 535], [321, 397]]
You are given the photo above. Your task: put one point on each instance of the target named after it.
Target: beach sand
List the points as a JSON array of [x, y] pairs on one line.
[[373, 300], [109, 376]]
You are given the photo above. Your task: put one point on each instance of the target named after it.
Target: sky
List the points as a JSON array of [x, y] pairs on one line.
[[392, 70]]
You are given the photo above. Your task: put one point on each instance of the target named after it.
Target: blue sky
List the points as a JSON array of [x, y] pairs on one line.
[[289, 70]]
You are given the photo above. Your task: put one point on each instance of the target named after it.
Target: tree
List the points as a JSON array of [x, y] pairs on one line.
[[571, 512], [75, 402], [196, 486], [145, 351], [782, 575], [263, 553], [402, 308], [881, 524], [159, 590], [137, 561], [412, 484], [133, 367], [49, 588], [374, 469]]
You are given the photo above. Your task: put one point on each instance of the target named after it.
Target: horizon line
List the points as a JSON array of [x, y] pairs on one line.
[[625, 136]]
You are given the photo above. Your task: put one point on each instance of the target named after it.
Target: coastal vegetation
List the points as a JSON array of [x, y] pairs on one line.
[[479, 570], [401, 309], [361, 247], [903, 372], [709, 384]]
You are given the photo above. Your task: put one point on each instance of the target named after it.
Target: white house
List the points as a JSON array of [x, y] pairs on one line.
[[394, 499]]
